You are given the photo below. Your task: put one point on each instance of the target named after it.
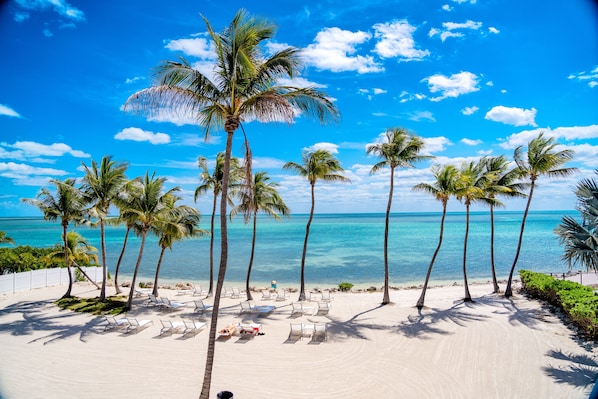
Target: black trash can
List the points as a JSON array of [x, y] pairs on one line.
[[225, 395]]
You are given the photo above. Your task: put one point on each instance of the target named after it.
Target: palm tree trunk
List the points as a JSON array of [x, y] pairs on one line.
[[494, 281], [467, 297], [86, 275], [104, 267], [120, 258], [207, 378], [386, 296], [132, 288], [509, 290], [210, 290], [67, 294], [420, 301], [307, 227], [155, 290], [249, 297]]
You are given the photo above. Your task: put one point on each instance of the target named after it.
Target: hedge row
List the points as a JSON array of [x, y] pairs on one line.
[[577, 301]]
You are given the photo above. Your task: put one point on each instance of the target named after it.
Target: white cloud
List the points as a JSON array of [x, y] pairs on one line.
[[469, 110], [512, 115], [396, 40], [61, 7], [199, 47], [300, 82], [330, 147], [471, 142], [6, 110], [167, 115], [568, 133], [137, 134], [14, 170], [492, 29], [453, 29], [452, 86], [33, 149], [422, 115], [334, 51], [591, 77], [133, 80], [447, 7], [434, 145], [380, 91]]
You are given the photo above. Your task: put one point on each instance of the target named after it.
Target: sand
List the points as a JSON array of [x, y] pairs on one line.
[[492, 348]]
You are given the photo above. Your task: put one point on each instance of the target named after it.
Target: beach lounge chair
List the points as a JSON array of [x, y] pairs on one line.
[[142, 292], [320, 332], [266, 295], [323, 308], [201, 307], [172, 305], [299, 309], [171, 327], [185, 291], [249, 330], [248, 307], [296, 332], [227, 292], [153, 301], [193, 327], [227, 331], [112, 323], [137, 325], [236, 293], [198, 291], [282, 294], [326, 296]]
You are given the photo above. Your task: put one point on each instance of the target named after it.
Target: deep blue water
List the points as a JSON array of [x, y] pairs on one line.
[[342, 247]]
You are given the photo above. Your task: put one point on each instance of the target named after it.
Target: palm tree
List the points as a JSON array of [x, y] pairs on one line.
[[399, 150], [243, 87], [581, 239], [499, 182], [442, 189], [213, 182], [6, 239], [148, 203], [263, 198], [101, 185], [176, 223], [68, 205], [541, 159], [468, 189], [317, 165]]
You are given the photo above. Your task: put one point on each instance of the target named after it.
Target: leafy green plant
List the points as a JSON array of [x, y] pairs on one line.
[[344, 286]]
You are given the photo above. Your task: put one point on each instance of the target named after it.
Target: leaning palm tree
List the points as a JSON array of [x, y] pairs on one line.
[[244, 86], [317, 165], [442, 189], [101, 184], [399, 150], [543, 158], [213, 182], [148, 203], [6, 239], [581, 239], [68, 205], [262, 197], [500, 181]]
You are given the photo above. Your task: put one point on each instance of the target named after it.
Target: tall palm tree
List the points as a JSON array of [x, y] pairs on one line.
[[399, 150], [244, 86], [68, 205], [6, 239], [442, 189], [263, 198], [101, 184], [542, 158], [317, 165], [148, 203], [470, 188], [581, 239], [500, 181], [213, 182]]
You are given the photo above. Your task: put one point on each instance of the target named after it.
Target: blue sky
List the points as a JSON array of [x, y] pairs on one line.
[[471, 77]]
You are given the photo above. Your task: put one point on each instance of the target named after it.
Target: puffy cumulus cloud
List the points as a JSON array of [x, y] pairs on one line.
[[7, 111], [330, 147], [137, 134], [406, 96], [452, 86], [433, 145], [13, 170], [334, 50], [60, 7], [396, 40], [199, 47], [469, 110], [571, 133], [492, 29], [422, 115], [379, 91], [586, 153], [471, 142], [178, 118], [30, 149], [512, 116], [447, 7], [590, 77], [300, 82], [454, 29]]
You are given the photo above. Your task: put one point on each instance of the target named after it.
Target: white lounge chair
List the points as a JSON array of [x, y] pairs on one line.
[[326, 296], [185, 291], [249, 330], [171, 327], [248, 307], [323, 308], [236, 293], [193, 327], [282, 294], [167, 303], [137, 325], [198, 291], [112, 323], [154, 301], [300, 309], [227, 331], [296, 331], [320, 332], [266, 295], [227, 292], [201, 307]]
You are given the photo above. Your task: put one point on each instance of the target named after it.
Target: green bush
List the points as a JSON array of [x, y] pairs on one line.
[[344, 286], [578, 302]]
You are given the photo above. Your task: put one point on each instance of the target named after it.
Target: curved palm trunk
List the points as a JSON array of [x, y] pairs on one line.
[[207, 378], [210, 290], [104, 266], [249, 297], [155, 290], [509, 290], [132, 290], [386, 296], [307, 227], [420, 301], [467, 297], [120, 258], [494, 281], [67, 260]]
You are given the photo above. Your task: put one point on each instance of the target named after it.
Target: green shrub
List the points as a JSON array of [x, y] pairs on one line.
[[344, 286]]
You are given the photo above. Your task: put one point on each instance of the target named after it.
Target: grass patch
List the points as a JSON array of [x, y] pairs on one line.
[[112, 305]]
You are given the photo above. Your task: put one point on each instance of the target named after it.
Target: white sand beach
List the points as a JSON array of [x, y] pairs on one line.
[[492, 348]]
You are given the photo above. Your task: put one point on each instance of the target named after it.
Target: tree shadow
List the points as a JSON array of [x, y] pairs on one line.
[[579, 372]]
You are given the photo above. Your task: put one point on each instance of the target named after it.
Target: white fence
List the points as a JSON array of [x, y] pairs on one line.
[[11, 283]]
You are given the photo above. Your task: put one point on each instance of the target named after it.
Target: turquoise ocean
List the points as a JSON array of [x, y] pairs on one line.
[[342, 247]]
